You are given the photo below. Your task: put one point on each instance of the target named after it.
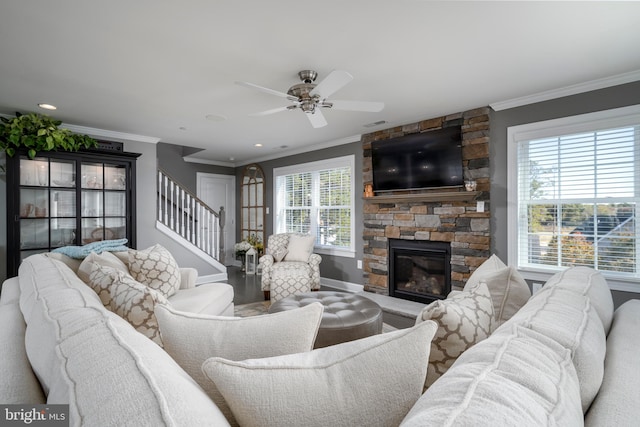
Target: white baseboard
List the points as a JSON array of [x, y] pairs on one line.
[[340, 285], [219, 277]]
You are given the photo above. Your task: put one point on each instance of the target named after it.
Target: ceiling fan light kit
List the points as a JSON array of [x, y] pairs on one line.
[[311, 98]]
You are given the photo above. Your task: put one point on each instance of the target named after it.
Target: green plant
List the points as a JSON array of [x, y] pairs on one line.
[[38, 132]]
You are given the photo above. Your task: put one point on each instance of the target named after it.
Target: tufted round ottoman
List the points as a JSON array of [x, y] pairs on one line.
[[346, 316]]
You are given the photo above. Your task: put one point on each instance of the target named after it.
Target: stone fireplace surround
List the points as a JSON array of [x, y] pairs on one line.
[[439, 215]]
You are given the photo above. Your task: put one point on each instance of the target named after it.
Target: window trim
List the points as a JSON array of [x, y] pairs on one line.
[[617, 117], [332, 163]]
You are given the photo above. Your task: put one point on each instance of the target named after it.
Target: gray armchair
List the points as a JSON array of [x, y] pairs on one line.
[[289, 266]]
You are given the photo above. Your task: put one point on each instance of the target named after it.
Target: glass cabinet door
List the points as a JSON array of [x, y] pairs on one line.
[[45, 204], [104, 202]]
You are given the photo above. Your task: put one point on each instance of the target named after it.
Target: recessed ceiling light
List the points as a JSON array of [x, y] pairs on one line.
[[257, 145], [215, 117], [47, 106]]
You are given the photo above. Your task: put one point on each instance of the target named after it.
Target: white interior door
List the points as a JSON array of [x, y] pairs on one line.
[[216, 191]]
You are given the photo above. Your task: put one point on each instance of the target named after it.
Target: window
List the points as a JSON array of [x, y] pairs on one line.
[[574, 189], [317, 198]]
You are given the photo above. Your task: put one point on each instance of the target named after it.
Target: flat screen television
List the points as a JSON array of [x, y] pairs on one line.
[[421, 160]]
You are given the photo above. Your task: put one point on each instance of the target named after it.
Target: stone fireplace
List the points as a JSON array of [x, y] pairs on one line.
[[448, 216], [419, 270]]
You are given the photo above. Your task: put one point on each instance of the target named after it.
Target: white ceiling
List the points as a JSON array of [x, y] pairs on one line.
[[157, 69]]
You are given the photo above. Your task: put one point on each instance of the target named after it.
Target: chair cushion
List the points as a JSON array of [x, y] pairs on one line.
[[371, 381], [191, 339], [208, 298]]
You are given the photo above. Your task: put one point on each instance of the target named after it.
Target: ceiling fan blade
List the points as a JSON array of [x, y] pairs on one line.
[[317, 119], [335, 81], [267, 90], [367, 106], [272, 111]]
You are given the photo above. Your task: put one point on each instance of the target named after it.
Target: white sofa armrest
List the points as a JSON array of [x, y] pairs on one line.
[[189, 277]]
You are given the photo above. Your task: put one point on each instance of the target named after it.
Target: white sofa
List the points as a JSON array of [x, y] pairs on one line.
[[565, 358], [207, 298]]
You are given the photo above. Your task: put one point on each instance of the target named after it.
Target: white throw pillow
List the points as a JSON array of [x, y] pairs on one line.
[[367, 382], [156, 268], [509, 290], [300, 248], [106, 259], [190, 339], [135, 303], [464, 319]]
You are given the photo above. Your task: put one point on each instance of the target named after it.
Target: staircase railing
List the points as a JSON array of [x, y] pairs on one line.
[[188, 216]]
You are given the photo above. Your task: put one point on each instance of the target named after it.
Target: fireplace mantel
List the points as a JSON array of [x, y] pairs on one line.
[[441, 196]]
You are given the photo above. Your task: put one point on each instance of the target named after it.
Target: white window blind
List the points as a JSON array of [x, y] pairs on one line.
[[317, 198], [577, 200]]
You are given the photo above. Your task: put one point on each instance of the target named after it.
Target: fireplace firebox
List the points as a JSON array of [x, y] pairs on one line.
[[419, 270]]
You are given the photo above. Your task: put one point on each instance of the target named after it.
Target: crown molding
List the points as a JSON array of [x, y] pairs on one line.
[[277, 155], [191, 159], [110, 134], [103, 133], [301, 150], [567, 91]]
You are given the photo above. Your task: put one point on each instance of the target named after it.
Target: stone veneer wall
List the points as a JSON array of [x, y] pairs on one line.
[[457, 222]]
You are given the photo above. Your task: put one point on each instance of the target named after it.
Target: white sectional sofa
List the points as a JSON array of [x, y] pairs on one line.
[[565, 358]]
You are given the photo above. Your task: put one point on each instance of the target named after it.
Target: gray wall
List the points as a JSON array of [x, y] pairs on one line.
[[332, 267], [604, 99], [170, 160]]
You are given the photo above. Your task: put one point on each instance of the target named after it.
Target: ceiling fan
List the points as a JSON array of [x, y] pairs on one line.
[[312, 98]]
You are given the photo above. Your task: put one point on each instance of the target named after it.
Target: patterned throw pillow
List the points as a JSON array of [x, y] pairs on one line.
[[278, 246], [100, 280], [156, 268], [136, 303], [463, 319], [278, 254]]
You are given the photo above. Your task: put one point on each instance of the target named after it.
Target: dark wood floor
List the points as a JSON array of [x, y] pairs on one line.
[[246, 287]]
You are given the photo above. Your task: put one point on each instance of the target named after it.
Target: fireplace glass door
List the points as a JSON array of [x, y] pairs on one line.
[[419, 271]]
